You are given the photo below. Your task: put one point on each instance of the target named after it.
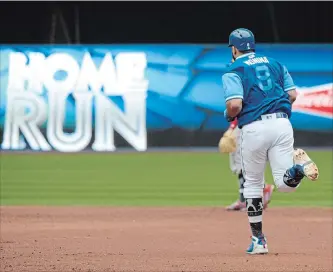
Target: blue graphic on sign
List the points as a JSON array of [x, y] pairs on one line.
[[184, 81]]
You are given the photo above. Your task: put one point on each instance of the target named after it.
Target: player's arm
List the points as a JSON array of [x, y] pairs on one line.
[[289, 85], [233, 94]]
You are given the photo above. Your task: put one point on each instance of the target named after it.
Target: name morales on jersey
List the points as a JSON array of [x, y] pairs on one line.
[[256, 60]]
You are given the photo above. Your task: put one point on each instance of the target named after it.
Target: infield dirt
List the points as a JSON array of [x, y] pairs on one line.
[[161, 239]]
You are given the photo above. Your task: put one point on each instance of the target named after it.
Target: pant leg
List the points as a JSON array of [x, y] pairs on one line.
[[254, 157], [232, 162], [280, 154], [235, 158]]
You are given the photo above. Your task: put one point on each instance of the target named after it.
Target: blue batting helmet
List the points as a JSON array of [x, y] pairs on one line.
[[242, 39]]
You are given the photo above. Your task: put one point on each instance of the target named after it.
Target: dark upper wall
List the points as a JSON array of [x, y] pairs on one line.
[[155, 22]]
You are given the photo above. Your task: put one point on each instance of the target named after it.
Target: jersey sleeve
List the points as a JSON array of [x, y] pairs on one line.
[[232, 86], [288, 81]]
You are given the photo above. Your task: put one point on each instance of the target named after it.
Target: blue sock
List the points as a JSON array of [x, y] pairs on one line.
[[293, 176]]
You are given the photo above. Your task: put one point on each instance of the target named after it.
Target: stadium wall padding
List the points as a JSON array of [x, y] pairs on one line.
[[185, 102]]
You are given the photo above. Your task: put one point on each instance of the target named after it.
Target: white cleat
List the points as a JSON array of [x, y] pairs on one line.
[[257, 246], [310, 169]]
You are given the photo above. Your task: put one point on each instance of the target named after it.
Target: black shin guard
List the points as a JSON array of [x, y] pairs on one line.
[[254, 211]]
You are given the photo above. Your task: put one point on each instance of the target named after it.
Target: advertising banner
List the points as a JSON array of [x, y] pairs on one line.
[[69, 98]]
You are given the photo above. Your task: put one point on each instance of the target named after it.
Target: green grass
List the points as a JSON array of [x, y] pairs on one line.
[[140, 179]]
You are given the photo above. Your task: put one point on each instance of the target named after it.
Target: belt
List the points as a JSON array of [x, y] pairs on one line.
[[273, 116], [270, 116]]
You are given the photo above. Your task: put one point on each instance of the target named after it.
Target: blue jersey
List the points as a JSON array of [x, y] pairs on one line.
[[262, 83]]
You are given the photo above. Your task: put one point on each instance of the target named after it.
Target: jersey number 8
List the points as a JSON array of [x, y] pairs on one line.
[[264, 77]]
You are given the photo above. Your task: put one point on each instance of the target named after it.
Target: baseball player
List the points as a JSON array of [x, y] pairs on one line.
[[259, 91], [235, 166]]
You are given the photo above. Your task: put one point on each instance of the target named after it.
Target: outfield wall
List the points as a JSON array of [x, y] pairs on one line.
[[69, 98]]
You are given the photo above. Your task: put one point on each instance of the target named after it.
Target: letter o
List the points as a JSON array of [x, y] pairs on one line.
[[61, 62]]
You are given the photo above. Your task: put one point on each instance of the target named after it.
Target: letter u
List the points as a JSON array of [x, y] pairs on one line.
[[78, 140]]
